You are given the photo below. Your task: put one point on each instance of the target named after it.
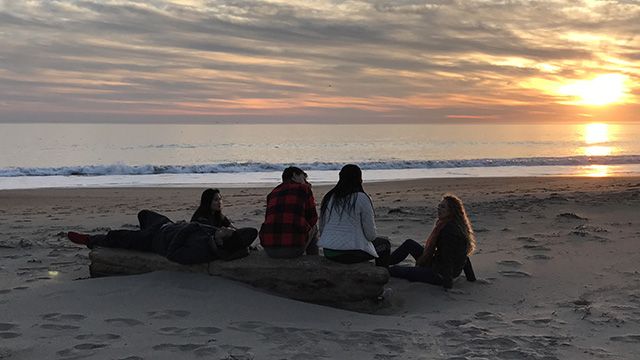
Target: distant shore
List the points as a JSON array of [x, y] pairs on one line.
[[557, 263]]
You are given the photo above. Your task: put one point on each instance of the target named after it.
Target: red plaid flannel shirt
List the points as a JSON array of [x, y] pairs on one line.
[[291, 213]]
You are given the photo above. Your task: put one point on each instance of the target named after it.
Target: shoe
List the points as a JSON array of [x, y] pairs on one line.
[[78, 238]]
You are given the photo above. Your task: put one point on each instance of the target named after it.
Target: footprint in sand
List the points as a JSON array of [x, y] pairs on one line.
[[541, 322], [59, 327], [242, 352], [80, 350], [177, 347], [59, 317], [512, 263], [168, 314], [7, 326], [487, 316], [457, 323], [527, 239], [197, 331], [536, 247], [98, 337], [570, 216], [513, 273], [539, 257], [9, 335], [631, 338], [123, 322]]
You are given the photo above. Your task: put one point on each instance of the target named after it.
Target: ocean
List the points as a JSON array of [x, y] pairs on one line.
[[101, 155]]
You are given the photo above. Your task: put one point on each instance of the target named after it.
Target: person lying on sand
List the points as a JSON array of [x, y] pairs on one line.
[[182, 242], [347, 224], [446, 251], [210, 210]]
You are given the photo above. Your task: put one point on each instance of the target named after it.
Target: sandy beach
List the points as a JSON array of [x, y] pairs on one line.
[[557, 262]]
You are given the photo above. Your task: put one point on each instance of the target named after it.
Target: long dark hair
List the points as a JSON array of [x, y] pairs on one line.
[[350, 182], [204, 211]]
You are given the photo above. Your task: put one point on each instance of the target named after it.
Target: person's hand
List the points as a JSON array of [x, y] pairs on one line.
[[223, 233]]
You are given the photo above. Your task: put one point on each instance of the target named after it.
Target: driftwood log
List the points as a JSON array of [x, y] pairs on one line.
[[308, 278]]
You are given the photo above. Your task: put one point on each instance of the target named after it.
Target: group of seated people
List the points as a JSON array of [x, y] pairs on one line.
[[345, 230]]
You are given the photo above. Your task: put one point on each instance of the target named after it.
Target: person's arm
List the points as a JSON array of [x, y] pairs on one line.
[[311, 215], [227, 223], [468, 271], [446, 245], [189, 246], [367, 219], [446, 267]]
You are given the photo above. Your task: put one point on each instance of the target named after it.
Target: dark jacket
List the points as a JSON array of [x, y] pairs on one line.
[[185, 243], [450, 255]]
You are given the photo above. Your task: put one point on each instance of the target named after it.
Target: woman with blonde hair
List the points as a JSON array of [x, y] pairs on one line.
[[446, 251]]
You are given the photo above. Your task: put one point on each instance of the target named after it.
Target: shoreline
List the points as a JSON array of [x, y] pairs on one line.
[[324, 177], [557, 264]]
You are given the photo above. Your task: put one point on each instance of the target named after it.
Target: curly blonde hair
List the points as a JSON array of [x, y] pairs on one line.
[[461, 220]]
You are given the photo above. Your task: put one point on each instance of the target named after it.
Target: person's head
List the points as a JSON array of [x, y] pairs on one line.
[[294, 174], [349, 182], [451, 207], [211, 200], [350, 177]]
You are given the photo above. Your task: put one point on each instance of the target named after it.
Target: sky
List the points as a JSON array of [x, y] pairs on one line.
[[208, 61]]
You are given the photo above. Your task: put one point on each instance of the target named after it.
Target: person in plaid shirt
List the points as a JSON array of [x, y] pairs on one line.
[[289, 227]]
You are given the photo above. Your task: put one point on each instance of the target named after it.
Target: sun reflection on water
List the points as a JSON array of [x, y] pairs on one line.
[[595, 171], [596, 133], [596, 137]]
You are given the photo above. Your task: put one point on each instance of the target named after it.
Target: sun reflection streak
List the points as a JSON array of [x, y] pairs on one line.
[[596, 136], [596, 133], [597, 150], [595, 171]]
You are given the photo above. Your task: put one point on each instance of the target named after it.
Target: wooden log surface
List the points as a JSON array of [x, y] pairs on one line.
[[308, 278]]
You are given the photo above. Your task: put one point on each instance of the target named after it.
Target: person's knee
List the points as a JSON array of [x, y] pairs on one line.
[[410, 242], [382, 242]]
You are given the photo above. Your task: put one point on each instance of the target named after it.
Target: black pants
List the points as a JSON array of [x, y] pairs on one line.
[[141, 240], [419, 273], [382, 246]]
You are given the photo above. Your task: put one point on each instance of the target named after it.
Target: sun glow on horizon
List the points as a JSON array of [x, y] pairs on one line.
[[601, 90]]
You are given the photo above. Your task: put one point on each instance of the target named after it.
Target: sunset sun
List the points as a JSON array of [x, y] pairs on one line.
[[601, 90]]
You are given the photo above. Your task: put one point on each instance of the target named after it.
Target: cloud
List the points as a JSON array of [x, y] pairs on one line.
[[352, 59]]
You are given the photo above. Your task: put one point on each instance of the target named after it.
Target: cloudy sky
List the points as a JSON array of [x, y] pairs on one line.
[[319, 61]]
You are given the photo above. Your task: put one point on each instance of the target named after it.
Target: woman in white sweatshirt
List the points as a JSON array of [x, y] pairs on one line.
[[347, 225]]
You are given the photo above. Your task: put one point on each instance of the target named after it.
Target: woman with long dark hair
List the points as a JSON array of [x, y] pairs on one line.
[[446, 251], [210, 210], [347, 225]]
